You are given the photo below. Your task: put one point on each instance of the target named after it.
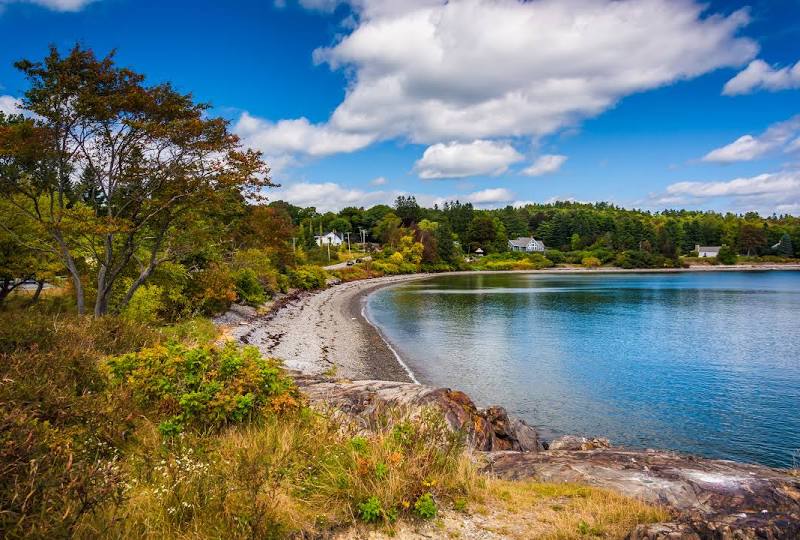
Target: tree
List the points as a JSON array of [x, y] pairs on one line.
[[445, 248], [726, 255], [407, 210], [269, 227], [388, 229], [147, 155], [752, 238], [459, 216], [784, 247], [482, 232]]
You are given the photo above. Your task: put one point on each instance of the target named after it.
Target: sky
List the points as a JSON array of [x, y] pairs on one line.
[[649, 104]]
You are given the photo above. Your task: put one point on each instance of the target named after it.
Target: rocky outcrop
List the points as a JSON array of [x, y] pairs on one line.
[[712, 498], [487, 430]]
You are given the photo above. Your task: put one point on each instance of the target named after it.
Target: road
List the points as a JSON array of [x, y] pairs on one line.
[[339, 266]]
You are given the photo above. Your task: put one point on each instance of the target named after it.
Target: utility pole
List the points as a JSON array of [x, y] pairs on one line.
[[293, 244], [349, 252]]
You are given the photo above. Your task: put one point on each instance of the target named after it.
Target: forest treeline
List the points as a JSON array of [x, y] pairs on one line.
[[601, 228]]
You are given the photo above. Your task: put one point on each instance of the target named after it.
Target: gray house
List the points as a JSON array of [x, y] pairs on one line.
[[706, 251], [527, 244]]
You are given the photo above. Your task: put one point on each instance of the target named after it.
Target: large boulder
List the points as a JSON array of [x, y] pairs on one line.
[[487, 430], [573, 442]]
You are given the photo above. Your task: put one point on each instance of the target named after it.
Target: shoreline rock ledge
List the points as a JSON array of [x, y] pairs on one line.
[[710, 499]]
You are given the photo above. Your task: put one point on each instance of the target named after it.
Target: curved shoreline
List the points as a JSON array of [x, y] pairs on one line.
[[329, 331], [363, 301]]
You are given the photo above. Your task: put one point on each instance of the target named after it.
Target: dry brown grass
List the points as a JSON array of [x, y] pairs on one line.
[[526, 510]]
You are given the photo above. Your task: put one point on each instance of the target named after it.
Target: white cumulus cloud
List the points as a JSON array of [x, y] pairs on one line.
[[297, 136], [435, 72], [759, 75], [55, 5], [327, 196], [748, 147], [546, 164], [489, 196], [457, 160], [777, 192], [10, 105], [493, 68], [379, 181], [333, 196]]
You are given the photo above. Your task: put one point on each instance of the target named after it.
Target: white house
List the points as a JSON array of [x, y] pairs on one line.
[[706, 251], [524, 243], [328, 238]]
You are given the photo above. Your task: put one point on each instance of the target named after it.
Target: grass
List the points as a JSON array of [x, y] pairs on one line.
[[84, 452], [564, 511], [298, 474]]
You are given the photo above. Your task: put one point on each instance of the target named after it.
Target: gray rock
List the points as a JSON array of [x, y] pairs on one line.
[[712, 498], [573, 442], [366, 401]]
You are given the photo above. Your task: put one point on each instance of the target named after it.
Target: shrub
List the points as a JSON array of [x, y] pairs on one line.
[[308, 277], [591, 262], [370, 510], [260, 264], [203, 387], [248, 288], [540, 261], [555, 255], [145, 305], [726, 255], [425, 507], [213, 289], [60, 430], [635, 259]]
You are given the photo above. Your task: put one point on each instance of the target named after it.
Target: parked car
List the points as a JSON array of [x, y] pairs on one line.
[[350, 263]]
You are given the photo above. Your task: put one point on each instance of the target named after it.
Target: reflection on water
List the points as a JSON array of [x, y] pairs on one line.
[[704, 362]]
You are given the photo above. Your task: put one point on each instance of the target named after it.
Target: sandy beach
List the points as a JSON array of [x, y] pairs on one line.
[[326, 332]]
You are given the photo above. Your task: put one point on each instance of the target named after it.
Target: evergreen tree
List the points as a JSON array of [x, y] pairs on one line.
[[784, 247]]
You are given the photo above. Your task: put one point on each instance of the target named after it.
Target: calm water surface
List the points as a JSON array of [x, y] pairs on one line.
[[707, 363]]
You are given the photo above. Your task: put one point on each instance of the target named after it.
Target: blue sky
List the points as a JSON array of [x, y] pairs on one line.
[[646, 103]]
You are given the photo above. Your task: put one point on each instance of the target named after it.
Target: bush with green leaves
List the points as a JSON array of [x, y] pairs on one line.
[[425, 506], [248, 288], [591, 262], [203, 387], [726, 255], [307, 277], [146, 305], [213, 289], [555, 255]]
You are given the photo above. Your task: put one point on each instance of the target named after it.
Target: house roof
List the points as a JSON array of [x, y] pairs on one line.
[[522, 241], [708, 248]]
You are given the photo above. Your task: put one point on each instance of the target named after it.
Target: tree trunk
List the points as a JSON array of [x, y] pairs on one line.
[[72, 268], [135, 285], [103, 290], [38, 292], [6, 286]]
